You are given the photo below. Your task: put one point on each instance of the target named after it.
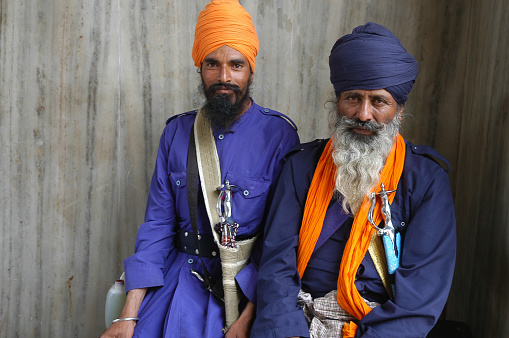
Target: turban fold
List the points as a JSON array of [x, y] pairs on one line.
[[372, 58], [225, 22]]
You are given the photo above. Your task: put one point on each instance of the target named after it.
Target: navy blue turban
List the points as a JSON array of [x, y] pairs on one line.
[[372, 58]]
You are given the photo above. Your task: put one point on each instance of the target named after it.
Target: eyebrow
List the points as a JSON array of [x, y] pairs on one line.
[[379, 96], [351, 93], [372, 96], [236, 61], [211, 60], [239, 61]]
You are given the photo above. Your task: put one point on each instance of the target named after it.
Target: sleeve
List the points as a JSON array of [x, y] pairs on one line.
[[246, 279], [248, 276], [423, 280], [155, 236], [278, 314]]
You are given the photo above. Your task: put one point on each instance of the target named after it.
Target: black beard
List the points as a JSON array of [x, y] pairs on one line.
[[223, 109]]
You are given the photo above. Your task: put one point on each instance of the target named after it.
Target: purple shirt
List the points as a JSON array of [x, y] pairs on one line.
[[250, 156]]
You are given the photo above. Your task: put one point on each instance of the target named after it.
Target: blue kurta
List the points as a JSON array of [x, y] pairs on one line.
[[423, 211], [250, 155]]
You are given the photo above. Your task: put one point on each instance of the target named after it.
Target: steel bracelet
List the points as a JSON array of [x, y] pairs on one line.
[[125, 319]]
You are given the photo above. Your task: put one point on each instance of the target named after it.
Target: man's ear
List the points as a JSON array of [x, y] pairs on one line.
[[251, 76], [401, 110]]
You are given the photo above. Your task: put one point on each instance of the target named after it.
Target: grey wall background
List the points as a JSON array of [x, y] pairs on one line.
[[86, 87]]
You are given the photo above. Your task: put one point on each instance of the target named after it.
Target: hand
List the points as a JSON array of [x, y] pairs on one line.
[[120, 330], [125, 329], [242, 326], [239, 329]]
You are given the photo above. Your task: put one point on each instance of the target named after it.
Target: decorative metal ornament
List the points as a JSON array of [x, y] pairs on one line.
[[226, 227]]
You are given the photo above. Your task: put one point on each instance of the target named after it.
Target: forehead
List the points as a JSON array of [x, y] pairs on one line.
[[226, 53]]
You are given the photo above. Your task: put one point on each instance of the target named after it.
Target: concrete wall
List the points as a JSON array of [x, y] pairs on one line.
[[86, 87], [480, 295]]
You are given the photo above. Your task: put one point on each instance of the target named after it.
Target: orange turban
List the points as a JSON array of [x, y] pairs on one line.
[[225, 22]]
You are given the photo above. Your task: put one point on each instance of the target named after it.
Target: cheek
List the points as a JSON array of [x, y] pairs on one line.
[[348, 112], [386, 116], [242, 79], [208, 77]]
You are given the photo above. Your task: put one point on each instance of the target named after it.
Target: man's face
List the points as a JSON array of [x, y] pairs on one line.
[[365, 124], [226, 71], [226, 77], [370, 108]]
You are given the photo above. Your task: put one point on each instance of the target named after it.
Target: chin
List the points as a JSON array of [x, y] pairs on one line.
[[364, 138]]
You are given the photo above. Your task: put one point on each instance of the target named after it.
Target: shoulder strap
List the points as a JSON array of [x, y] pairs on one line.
[[216, 287], [208, 167], [430, 153], [270, 112]]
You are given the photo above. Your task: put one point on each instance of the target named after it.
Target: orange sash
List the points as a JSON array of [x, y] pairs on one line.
[[318, 199]]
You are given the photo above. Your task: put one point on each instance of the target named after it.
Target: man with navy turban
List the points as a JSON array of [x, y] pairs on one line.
[[360, 240]]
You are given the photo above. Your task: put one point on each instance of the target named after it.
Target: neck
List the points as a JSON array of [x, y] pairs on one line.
[[245, 106]]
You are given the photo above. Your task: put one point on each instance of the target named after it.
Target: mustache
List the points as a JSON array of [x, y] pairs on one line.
[[354, 123], [216, 86]]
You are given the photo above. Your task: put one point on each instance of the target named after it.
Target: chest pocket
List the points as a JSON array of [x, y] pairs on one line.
[[400, 219], [248, 201], [178, 181]]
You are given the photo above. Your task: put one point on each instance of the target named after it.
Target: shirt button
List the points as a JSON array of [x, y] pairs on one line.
[[266, 110], [186, 233], [178, 183], [245, 192], [214, 253], [221, 136], [190, 261]]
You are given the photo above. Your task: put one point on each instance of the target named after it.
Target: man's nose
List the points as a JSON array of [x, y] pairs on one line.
[[365, 111], [224, 74]]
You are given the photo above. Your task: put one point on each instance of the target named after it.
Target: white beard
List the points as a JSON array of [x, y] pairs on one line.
[[360, 158]]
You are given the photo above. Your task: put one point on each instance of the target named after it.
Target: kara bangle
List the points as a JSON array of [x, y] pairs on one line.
[[125, 319]]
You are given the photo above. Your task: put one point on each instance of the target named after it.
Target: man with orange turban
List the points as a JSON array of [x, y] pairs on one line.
[[214, 171], [361, 233]]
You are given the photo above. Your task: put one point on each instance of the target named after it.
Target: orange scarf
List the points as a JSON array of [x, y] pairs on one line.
[[318, 199]]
